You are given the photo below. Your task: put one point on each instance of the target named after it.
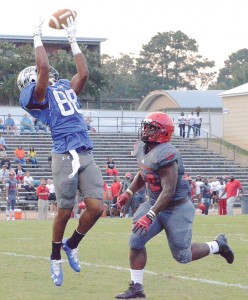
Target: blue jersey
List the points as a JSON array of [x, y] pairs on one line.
[[61, 111], [150, 163]]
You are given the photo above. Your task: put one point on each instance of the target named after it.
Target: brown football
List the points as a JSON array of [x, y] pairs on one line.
[[60, 17]]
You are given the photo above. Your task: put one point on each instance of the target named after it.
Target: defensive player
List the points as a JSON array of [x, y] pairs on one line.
[[55, 103], [167, 207]]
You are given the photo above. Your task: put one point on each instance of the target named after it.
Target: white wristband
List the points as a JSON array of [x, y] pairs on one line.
[[37, 41], [129, 192], [151, 214], [75, 48]]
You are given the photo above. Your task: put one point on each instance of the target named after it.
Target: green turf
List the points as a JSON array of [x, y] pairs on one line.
[[26, 245]]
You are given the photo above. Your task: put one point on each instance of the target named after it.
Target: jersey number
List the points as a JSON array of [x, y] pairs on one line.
[[67, 102]]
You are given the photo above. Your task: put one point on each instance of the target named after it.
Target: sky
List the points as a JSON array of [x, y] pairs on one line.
[[219, 27]]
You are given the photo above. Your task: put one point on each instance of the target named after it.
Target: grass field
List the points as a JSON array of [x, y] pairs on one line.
[[26, 245]]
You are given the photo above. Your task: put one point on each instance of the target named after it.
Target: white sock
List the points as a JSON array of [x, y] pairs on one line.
[[213, 247], [137, 276]]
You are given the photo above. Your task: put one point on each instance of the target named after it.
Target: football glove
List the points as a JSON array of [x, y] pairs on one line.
[[122, 199], [38, 26], [143, 224], [71, 29]]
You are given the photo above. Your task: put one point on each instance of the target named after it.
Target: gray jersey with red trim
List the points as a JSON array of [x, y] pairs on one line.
[[149, 163]]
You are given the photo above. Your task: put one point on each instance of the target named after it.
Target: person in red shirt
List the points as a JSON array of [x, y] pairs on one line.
[[43, 193], [115, 189], [233, 189]]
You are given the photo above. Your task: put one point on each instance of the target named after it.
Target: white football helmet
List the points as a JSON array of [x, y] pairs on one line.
[[29, 75]]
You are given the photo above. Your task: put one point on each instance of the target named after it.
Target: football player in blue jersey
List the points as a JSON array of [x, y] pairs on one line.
[[55, 103], [167, 208]]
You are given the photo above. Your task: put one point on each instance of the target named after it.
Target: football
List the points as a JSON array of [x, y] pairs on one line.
[[60, 17]]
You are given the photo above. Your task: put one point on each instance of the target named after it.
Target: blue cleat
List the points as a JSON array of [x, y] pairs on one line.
[[56, 272], [72, 256]]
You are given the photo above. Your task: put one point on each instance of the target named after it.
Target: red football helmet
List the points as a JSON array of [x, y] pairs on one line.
[[128, 175], [157, 127]]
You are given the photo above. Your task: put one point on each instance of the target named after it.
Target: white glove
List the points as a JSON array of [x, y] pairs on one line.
[[71, 29], [38, 26]]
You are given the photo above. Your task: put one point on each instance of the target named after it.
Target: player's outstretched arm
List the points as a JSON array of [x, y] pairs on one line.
[[42, 63], [79, 80]]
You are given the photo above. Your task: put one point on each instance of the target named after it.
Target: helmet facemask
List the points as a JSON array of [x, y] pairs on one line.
[[150, 131], [29, 75], [157, 127]]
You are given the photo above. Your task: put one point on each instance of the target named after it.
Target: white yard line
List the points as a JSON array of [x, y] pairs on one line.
[[211, 282]]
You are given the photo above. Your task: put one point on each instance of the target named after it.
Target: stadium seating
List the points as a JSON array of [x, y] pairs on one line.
[[197, 160]]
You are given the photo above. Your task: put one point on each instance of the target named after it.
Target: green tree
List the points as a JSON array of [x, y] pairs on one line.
[[64, 63], [121, 78], [234, 73], [171, 61], [12, 61]]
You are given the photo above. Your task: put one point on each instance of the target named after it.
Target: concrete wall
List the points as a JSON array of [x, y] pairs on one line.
[[129, 121]]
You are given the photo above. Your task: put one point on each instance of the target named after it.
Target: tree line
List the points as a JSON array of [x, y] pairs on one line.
[[169, 61]]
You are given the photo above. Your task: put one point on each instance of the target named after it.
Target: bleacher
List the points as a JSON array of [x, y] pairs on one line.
[[197, 160]]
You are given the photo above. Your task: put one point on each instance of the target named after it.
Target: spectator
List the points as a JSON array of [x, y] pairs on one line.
[[20, 156], [39, 126], [5, 161], [10, 124], [198, 183], [182, 120], [2, 143], [20, 172], [110, 167], [2, 152], [214, 183], [115, 189], [191, 124], [26, 123], [2, 126], [221, 199], [206, 195], [4, 174], [32, 157], [49, 159], [129, 208], [52, 196], [192, 188], [88, 122], [28, 182], [233, 189], [11, 195], [42, 193], [124, 185], [198, 122]]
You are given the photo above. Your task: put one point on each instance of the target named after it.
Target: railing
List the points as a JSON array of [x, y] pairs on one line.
[[222, 147]]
